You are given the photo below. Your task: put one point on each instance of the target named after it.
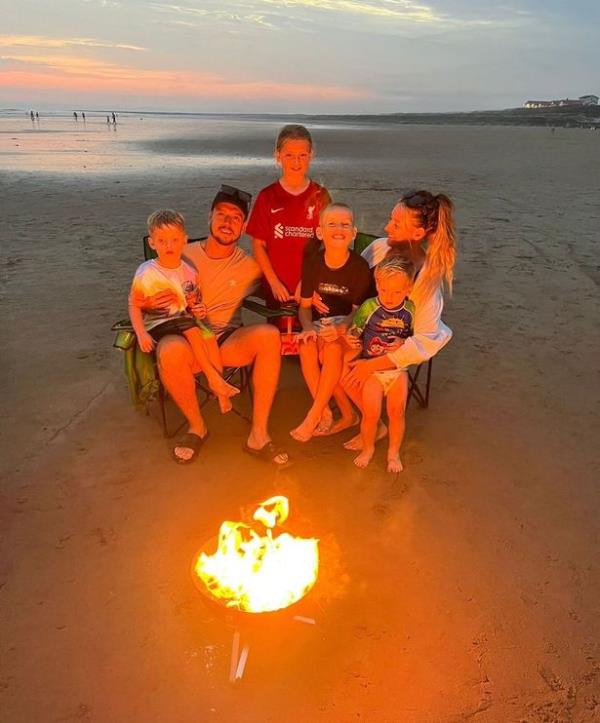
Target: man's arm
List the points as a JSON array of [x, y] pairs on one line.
[[430, 334]]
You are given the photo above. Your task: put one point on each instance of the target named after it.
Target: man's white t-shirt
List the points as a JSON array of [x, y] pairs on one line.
[[224, 284]]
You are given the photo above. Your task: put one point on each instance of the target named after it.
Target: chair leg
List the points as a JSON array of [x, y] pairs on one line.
[[428, 383]]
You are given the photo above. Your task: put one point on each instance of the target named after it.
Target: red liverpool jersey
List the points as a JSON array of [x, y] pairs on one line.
[[286, 223]]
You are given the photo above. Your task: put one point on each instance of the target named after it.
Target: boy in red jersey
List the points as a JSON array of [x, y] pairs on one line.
[[285, 216]]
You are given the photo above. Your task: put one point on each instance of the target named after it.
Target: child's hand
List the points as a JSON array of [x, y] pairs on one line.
[[145, 342], [354, 342], [160, 300], [328, 332], [199, 310], [318, 303], [305, 336], [280, 292]]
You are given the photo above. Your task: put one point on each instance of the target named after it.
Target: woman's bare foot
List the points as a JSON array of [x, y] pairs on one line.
[[305, 430], [225, 404], [394, 465], [355, 444], [363, 459], [339, 426]]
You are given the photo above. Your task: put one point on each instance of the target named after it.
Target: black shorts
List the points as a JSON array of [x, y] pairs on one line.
[[177, 325]]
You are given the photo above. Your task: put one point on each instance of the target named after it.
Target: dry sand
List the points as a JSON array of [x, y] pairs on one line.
[[465, 588]]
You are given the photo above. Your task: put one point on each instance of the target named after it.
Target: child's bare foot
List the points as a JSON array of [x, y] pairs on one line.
[[363, 459], [221, 388], [225, 404], [394, 465], [355, 444], [305, 430], [324, 423], [339, 426]]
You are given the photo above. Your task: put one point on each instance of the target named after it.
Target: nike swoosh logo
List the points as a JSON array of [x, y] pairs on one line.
[[276, 210]]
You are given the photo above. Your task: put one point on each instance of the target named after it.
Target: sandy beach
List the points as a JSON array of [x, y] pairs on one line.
[[465, 588]]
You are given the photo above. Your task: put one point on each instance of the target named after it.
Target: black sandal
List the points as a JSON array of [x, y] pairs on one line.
[[268, 453], [190, 441]]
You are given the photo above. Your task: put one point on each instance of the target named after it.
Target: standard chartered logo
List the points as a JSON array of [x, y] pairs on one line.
[[278, 231]]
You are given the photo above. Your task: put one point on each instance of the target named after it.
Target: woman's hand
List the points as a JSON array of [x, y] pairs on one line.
[[360, 371]]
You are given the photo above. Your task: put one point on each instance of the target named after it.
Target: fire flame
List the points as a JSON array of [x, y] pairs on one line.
[[260, 573]]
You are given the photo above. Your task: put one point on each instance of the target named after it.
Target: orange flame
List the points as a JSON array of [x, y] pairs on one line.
[[260, 573]]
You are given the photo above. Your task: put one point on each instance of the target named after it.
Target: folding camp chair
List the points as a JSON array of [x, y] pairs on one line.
[[239, 376]]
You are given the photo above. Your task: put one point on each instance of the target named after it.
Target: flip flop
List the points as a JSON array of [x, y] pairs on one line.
[[191, 441], [268, 453]]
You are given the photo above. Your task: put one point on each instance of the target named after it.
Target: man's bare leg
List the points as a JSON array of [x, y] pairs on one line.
[[207, 353], [261, 344], [372, 395], [331, 370], [396, 407], [177, 366], [311, 371]]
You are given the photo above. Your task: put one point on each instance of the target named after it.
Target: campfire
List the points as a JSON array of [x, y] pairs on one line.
[[255, 571]]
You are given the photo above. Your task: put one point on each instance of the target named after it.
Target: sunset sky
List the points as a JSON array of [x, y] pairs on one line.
[[338, 56]]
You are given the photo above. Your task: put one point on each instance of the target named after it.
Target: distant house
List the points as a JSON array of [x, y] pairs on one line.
[[582, 100]]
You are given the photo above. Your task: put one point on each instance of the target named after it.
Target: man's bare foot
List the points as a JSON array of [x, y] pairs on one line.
[[355, 444], [225, 404], [363, 459], [338, 426], [394, 465], [221, 388], [305, 430]]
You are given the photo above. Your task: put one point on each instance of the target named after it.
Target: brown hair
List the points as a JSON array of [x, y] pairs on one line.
[[437, 218], [293, 132], [165, 217]]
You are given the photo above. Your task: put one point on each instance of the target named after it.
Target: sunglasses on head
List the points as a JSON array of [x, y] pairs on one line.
[[235, 193], [424, 202]]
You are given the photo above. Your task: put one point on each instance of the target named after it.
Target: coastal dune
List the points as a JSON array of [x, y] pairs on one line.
[[466, 586]]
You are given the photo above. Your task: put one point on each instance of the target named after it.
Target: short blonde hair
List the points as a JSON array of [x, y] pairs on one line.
[[165, 217], [392, 264], [333, 205]]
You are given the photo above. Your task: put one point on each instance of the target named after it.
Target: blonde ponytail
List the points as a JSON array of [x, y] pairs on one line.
[[441, 246]]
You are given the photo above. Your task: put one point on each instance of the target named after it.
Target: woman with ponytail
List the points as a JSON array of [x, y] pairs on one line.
[[421, 228]]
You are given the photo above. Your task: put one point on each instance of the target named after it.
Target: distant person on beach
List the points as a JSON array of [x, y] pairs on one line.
[[32, 116], [75, 115], [168, 271], [83, 116], [421, 227], [226, 275], [285, 216], [342, 279], [108, 120], [380, 326], [114, 119]]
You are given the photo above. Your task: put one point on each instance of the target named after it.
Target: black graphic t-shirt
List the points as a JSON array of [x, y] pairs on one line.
[[340, 289]]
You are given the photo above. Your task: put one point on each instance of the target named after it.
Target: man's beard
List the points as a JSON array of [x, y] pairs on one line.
[[219, 239]]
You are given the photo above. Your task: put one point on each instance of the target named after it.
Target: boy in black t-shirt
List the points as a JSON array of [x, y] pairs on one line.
[[342, 279]]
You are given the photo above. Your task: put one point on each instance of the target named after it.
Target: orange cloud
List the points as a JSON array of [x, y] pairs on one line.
[[88, 76]]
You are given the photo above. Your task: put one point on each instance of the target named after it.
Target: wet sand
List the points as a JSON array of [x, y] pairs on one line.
[[466, 587]]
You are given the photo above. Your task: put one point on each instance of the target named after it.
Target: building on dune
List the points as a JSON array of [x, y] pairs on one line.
[[571, 102]]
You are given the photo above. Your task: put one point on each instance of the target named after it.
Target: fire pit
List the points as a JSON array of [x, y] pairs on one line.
[[254, 571]]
